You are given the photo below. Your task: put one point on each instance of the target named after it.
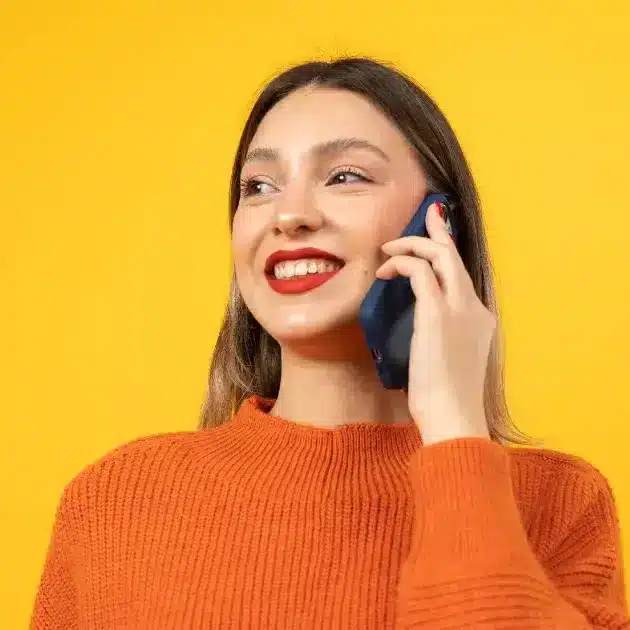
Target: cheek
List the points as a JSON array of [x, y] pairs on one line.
[[245, 236], [395, 218], [385, 222]]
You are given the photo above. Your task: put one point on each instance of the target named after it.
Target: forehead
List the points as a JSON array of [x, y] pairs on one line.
[[313, 115]]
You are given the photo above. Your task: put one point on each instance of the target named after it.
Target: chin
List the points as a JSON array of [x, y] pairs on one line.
[[300, 326], [299, 329], [323, 316]]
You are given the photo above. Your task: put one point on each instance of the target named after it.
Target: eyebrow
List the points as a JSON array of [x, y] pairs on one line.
[[323, 149]]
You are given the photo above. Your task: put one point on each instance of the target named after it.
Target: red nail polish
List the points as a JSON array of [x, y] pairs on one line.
[[441, 210]]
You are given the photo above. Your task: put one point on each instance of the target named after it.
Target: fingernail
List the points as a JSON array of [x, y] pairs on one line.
[[441, 210]]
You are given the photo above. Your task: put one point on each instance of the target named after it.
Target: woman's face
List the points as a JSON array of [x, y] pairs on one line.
[[327, 171]]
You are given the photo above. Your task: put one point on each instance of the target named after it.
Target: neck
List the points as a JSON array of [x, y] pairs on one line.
[[330, 382]]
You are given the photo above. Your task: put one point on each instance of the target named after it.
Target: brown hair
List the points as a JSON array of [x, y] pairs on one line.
[[246, 359]]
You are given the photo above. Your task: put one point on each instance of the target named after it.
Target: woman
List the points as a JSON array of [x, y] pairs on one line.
[[327, 501]]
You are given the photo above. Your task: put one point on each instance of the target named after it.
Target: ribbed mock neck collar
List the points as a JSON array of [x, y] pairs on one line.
[[364, 439]]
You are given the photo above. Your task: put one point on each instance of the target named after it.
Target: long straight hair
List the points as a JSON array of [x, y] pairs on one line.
[[246, 359]]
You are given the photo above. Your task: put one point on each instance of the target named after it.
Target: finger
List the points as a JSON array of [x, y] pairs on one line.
[[423, 280], [446, 263], [436, 224], [415, 245]]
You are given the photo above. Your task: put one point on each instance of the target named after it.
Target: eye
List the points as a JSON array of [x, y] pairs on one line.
[[346, 176], [251, 187]]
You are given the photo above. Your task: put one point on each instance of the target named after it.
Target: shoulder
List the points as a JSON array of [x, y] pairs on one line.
[[542, 462], [566, 485], [145, 467], [165, 449]]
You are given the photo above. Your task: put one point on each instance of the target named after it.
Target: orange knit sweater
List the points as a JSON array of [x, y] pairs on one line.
[[265, 523]]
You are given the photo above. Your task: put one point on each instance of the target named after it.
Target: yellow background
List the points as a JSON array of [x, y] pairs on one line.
[[118, 123]]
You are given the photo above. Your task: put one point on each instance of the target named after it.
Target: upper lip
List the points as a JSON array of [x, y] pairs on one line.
[[296, 254]]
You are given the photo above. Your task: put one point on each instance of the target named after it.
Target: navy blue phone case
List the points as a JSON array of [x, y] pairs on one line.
[[386, 313]]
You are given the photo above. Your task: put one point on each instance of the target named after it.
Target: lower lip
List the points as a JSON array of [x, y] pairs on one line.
[[299, 285]]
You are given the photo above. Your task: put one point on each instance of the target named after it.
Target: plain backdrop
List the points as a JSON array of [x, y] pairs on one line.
[[118, 124]]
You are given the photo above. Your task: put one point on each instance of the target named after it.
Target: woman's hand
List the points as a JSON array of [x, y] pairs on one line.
[[452, 334]]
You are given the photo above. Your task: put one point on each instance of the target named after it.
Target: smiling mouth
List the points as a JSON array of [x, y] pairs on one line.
[[290, 277], [295, 269]]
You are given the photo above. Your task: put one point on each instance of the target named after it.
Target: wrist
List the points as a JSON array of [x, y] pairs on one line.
[[451, 426]]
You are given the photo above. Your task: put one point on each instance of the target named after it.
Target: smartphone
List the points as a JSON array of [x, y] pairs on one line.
[[386, 313]]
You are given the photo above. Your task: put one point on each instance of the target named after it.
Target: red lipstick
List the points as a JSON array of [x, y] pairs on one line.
[[299, 284]]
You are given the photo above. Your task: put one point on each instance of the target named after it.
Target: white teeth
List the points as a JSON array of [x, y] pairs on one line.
[[299, 268]]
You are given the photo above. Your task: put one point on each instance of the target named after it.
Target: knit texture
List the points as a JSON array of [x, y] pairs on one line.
[[264, 523]]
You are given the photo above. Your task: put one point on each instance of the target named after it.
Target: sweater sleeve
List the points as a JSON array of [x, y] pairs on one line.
[[56, 599], [471, 565]]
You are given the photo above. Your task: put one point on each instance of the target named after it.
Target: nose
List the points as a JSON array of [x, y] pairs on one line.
[[297, 214]]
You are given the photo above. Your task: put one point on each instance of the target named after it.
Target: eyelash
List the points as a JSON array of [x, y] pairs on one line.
[[248, 182], [352, 171]]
